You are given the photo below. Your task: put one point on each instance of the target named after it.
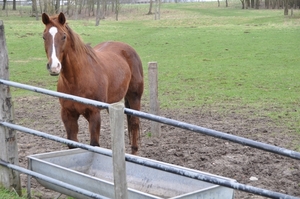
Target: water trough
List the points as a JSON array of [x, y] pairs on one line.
[[94, 172]]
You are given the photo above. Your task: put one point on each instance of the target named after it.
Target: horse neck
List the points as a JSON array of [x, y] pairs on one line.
[[75, 65]]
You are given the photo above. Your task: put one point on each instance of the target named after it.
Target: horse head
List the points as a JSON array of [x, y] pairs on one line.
[[55, 41]]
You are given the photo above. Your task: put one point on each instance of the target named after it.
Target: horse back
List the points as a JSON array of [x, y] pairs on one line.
[[126, 52]]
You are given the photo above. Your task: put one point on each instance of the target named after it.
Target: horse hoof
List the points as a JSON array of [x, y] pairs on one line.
[[71, 147], [134, 150]]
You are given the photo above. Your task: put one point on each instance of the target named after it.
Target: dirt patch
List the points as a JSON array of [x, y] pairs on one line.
[[177, 146]]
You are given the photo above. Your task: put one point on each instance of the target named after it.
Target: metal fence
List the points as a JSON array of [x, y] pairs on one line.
[[183, 125]]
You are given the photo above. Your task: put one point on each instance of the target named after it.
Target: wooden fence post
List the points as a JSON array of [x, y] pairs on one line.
[[8, 138], [116, 117], [154, 104]]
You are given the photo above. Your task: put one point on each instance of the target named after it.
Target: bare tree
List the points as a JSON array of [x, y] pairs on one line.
[[117, 9], [57, 6], [34, 9], [243, 4], [68, 7], [80, 3], [14, 5], [257, 4], [286, 7], [247, 3], [104, 8], [91, 7], [150, 8], [157, 9], [267, 4], [98, 13], [45, 7], [41, 7], [4, 5]]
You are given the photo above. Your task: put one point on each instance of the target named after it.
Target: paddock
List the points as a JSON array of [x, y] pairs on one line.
[[189, 127]]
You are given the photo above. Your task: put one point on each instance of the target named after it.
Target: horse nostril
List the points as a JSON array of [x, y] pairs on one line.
[[48, 66]]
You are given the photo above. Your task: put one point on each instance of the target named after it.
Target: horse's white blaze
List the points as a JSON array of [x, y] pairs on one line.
[[55, 64]]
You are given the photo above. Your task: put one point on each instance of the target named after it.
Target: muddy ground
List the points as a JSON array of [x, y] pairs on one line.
[[180, 147]]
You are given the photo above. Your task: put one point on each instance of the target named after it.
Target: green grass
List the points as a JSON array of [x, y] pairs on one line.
[[205, 54], [225, 58], [6, 194]]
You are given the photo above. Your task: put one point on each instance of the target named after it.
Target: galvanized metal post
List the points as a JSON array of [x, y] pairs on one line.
[[154, 104], [8, 139], [116, 117]]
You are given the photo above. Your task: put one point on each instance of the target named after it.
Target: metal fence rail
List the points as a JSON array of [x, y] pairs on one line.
[[136, 160], [52, 180], [183, 125], [176, 123]]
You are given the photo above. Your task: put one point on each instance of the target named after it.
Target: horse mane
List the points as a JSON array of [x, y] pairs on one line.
[[77, 43]]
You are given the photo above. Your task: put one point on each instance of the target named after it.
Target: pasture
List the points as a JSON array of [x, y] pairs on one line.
[[223, 68]]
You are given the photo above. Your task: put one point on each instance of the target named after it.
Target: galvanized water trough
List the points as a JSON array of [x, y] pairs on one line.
[[94, 172]]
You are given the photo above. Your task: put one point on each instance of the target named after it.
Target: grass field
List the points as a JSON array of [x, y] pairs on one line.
[[205, 54], [226, 58]]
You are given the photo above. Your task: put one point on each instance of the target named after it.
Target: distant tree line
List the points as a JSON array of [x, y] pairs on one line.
[[99, 8], [75, 7], [270, 4]]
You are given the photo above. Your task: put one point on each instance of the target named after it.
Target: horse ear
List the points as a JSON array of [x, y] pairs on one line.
[[45, 18], [61, 18]]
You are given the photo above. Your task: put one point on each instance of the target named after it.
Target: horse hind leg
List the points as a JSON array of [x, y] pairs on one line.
[[133, 124], [128, 119]]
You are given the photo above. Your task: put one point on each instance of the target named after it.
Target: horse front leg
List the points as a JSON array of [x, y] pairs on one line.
[[71, 125], [94, 119]]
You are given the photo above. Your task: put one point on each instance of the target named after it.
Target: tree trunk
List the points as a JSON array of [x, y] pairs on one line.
[[76, 9], [252, 3], [41, 7], [57, 6], [68, 7], [286, 5], [104, 9], [243, 4], [226, 3], [157, 10], [150, 8], [33, 6], [91, 7], [267, 4], [98, 13], [117, 9], [247, 4], [14, 5], [4, 5], [80, 2], [34, 9], [45, 7], [257, 4]]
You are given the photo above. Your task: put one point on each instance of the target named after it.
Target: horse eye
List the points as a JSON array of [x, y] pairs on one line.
[[44, 38], [64, 37]]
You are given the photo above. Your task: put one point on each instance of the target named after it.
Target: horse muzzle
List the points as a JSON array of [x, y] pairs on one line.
[[54, 70]]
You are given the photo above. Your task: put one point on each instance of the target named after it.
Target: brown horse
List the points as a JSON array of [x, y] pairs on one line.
[[108, 73]]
